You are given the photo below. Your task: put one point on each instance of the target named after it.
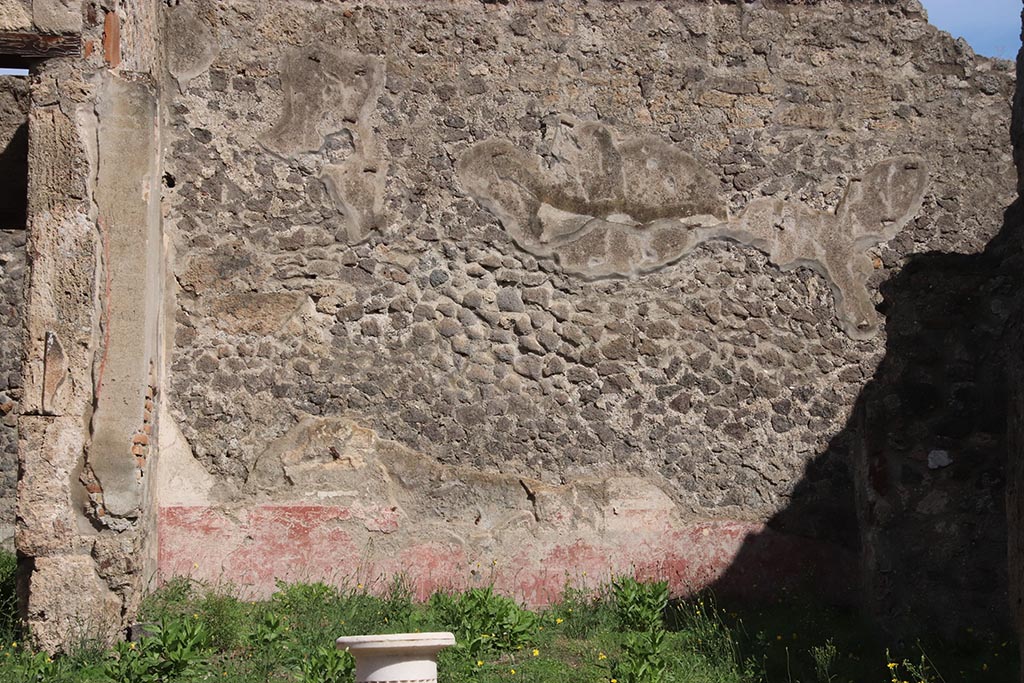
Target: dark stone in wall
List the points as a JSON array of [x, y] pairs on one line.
[[12, 300]]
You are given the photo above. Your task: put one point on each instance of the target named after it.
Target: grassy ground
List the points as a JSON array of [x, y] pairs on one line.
[[628, 632]]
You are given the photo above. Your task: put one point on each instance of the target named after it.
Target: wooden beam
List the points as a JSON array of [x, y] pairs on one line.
[[39, 46]]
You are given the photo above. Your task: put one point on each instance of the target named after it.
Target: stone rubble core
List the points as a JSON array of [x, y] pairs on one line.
[[515, 293], [645, 205]]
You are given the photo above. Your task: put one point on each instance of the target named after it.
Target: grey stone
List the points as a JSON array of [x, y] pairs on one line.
[[509, 299]]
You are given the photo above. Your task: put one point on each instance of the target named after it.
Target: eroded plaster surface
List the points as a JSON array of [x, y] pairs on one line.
[[332, 501], [329, 98], [127, 183], [603, 209]]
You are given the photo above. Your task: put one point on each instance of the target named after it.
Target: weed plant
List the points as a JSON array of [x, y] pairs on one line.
[[627, 631]]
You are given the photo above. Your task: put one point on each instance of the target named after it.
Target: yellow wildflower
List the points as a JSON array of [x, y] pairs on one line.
[[559, 620], [512, 671], [601, 655], [479, 662], [536, 652]]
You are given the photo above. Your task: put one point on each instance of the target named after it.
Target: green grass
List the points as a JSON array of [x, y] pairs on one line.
[[628, 631]]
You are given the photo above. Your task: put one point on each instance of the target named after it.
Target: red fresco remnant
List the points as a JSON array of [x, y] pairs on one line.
[[432, 567], [254, 547], [383, 519]]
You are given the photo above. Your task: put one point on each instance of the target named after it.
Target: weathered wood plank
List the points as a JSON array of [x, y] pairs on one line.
[[39, 46]]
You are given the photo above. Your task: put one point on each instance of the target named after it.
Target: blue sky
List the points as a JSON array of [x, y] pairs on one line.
[[992, 27]]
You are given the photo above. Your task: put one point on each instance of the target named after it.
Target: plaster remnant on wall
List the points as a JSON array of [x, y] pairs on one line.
[[386, 480], [328, 91], [603, 208], [260, 312], [126, 172], [189, 44], [873, 210], [306, 454], [607, 209], [325, 91], [357, 188], [331, 494], [181, 480]]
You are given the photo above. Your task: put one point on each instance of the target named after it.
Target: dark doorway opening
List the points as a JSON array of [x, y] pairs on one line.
[[14, 95]]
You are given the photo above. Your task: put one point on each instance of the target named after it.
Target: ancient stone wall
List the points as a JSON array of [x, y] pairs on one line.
[[85, 516], [559, 289], [13, 192], [521, 293]]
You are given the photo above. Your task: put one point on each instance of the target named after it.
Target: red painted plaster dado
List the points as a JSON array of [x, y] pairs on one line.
[[253, 547]]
